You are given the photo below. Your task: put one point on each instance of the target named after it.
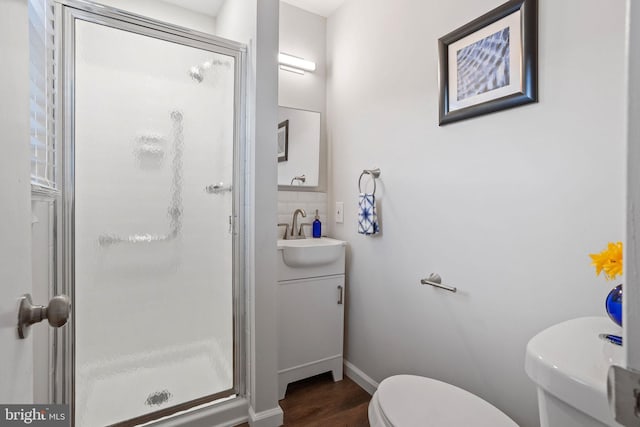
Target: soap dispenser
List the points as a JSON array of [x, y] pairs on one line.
[[317, 226]]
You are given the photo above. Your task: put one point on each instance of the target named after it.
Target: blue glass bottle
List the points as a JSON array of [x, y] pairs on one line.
[[317, 226], [614, 304]]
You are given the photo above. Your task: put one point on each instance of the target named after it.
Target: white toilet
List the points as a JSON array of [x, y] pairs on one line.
[[410, 400], [569, 363]]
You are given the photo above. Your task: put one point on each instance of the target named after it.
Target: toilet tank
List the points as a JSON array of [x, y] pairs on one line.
[[569, 364]]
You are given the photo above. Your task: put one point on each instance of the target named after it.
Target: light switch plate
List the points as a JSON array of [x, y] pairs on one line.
[[339, 212]]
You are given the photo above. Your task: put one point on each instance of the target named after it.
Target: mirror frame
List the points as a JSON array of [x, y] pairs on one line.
[[319, 186]]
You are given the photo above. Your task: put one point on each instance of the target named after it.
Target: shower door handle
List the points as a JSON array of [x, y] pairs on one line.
[[217, 188], [57, 313]]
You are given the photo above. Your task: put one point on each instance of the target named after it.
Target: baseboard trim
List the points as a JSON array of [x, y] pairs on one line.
[[359, 377], [273, 417]]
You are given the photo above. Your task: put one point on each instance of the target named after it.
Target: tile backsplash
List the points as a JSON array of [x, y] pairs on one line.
[[289, 201]]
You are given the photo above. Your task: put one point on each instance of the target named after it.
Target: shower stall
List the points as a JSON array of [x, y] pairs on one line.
[[151, 133]]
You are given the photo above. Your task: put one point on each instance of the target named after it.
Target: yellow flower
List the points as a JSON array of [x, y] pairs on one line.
[[609, 261]]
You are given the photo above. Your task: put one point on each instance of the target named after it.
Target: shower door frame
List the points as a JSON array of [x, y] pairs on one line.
[[63, 350]]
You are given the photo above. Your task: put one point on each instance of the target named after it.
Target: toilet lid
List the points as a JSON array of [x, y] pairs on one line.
[[409, 400]]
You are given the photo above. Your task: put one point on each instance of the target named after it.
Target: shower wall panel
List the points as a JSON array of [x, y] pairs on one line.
[[153, 248]]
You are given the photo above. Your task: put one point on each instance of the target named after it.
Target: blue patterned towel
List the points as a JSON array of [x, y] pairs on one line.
[[367, 218]]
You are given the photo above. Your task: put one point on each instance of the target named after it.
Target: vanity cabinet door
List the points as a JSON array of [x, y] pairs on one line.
[[310, 320]]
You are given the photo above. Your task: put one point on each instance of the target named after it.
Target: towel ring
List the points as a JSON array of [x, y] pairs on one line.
[[375, 173]]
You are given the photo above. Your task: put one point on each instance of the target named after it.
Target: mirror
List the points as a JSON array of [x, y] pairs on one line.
[[298, 147]]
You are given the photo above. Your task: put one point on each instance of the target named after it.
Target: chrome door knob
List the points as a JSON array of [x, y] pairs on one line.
[[57, 313]]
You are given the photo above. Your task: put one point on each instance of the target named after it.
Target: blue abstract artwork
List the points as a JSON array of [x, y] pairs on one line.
[[484, 65]]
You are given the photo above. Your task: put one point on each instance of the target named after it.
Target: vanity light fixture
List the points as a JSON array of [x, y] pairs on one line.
[[291, 69], [295, 64]]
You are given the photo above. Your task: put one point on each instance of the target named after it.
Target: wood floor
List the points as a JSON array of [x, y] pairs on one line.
[[319, 402]]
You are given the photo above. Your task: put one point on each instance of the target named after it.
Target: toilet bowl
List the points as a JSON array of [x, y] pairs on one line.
[[410, 400]]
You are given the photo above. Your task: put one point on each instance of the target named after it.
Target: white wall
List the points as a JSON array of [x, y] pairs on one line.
[[16, 369], [303, 34], [236, 20], [506, 207], [255, 22]]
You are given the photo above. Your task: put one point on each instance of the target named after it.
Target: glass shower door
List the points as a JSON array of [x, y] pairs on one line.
[[153, 264]]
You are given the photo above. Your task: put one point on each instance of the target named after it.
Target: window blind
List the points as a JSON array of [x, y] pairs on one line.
[[42, 94]]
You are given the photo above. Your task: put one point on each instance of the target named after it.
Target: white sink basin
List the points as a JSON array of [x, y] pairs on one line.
[[304, 253]]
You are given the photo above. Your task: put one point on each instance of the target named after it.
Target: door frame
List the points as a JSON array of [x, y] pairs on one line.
[[66, 13], [631, 300]]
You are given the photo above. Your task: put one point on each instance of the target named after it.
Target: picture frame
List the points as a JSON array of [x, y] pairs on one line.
[[490, 64], [283, 141]]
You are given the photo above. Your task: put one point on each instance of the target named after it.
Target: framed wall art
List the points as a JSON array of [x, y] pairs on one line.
[[283, 141], [491, 63]]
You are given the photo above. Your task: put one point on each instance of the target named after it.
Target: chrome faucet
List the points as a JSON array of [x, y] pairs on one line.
[[297, 233], [301, 178], [286, 229]]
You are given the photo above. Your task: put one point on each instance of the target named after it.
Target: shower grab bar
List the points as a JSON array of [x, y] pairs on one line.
[[175, 207], [106, 239], [435, 280]]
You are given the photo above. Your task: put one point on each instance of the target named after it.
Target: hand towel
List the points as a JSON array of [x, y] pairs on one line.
[[367, 218]]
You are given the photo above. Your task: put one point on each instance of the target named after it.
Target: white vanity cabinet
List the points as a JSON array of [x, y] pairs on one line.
[[311, 301]]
